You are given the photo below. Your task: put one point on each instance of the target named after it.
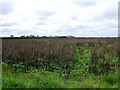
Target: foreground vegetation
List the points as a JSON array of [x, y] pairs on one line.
[[60, 63], [39, 78]]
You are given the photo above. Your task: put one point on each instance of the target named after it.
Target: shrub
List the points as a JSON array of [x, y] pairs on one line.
[[81, 60]]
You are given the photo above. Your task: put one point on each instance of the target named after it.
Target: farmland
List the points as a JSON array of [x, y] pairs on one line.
[[60, 63]]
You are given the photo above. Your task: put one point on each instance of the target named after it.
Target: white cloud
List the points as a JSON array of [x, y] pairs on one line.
[[59, 17]]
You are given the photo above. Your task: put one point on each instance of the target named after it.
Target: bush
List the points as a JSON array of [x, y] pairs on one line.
[[81, 60]]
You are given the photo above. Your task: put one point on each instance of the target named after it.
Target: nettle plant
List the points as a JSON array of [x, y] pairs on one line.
[[81, 60]]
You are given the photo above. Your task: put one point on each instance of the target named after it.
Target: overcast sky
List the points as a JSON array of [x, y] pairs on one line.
[[87, 18]]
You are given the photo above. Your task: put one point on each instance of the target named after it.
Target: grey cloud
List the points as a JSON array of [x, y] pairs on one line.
[[85, 4], [73, 17], [6, 31], [108, 14], [77, 27], [6, 7], [26, 18], [105, 30], [84, 26], [106, 33], [97, 33], [7, 24], [23, 32], [88, 31], [41, 23], [42, 17], [71, 30], [107, 25], [45, 13]]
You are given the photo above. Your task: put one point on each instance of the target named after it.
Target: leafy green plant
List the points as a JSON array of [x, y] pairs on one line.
[[18, 67], [82, 58]]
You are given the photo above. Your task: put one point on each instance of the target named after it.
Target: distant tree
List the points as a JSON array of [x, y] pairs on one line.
[[11, 36], [23, 36], [44, 36], [56, 36], [71, 36], [32, 36], [62, 36], [37, 36], [50, 36]]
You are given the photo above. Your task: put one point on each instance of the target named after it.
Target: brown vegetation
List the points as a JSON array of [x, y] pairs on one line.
[[43, 52]]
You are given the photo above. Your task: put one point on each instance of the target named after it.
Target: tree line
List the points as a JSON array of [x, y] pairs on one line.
[[37, 36]]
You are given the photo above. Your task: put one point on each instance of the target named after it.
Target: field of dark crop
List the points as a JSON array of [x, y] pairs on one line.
[[60, 63]]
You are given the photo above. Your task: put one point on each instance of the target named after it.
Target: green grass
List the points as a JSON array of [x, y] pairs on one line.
[[33, 79], [39, 78]]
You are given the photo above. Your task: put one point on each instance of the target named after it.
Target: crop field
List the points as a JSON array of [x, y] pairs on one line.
[[60, 63]]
